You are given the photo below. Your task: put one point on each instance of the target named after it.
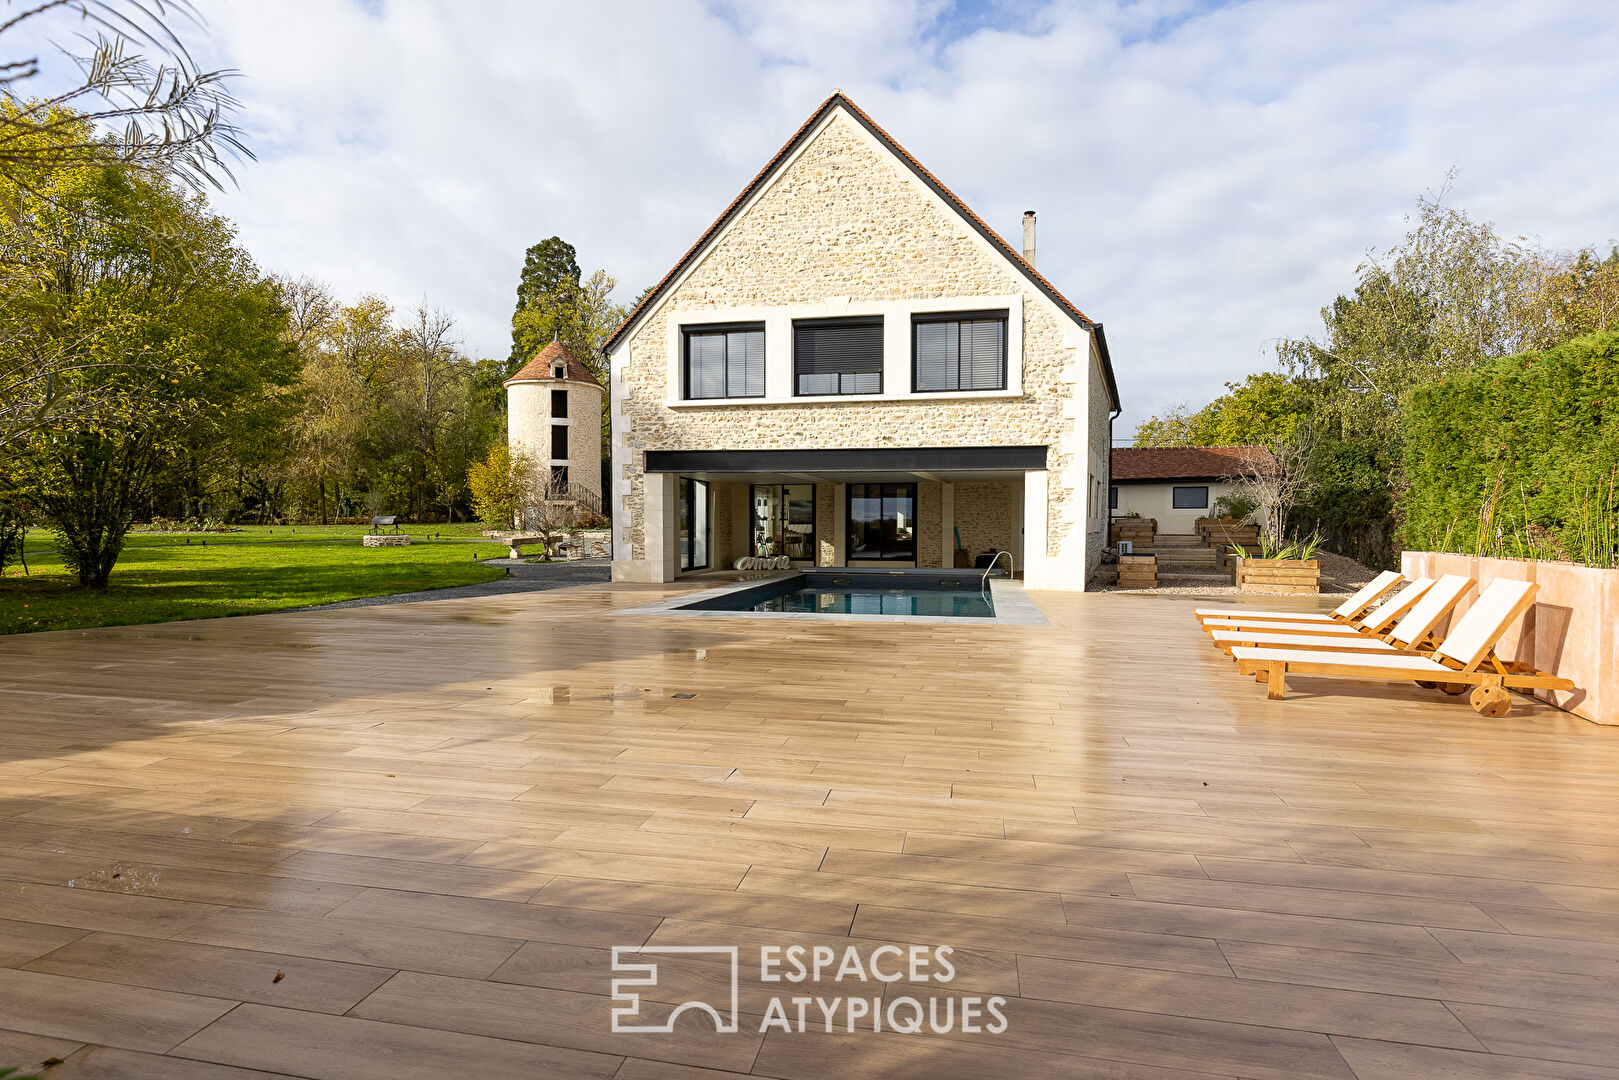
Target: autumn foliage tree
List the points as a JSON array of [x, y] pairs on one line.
[[173, 331]]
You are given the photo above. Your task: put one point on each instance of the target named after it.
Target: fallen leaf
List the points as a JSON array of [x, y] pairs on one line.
[[279, 976]]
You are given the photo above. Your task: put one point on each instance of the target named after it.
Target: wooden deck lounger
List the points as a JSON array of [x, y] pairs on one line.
[[1419, 615], [1465, 658], [1378, 621], [1350, 609]]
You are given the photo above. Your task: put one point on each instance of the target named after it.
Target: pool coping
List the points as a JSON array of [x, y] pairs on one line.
[[1013, 606]]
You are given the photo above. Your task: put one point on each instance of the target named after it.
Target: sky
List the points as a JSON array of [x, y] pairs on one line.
[[1207, 175]]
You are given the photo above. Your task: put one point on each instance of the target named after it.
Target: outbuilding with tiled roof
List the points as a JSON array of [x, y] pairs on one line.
[[1176, 485]]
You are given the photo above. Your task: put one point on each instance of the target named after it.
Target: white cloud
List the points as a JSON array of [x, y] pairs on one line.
[[1207, 176]]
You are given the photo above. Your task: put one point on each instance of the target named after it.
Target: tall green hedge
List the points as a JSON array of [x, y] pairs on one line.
[[1519, 457]]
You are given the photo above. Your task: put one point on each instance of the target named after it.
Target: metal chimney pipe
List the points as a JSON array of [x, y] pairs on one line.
[[1028, 237]]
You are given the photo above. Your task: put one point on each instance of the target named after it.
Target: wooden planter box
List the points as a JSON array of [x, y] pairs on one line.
[[1139, 531], [1279, 575], [1572, 630], [1138, 571], [1220, 533]]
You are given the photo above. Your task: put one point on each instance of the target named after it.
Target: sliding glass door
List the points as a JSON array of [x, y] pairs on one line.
[[693, 524], [882, 522], [783, 520]]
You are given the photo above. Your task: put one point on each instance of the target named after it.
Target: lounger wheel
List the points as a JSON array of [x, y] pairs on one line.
[[1490, 701], [1454, 689]]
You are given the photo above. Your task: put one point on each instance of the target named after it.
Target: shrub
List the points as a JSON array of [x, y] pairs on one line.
[[495, 488], [1234, 505], [1520, 457]]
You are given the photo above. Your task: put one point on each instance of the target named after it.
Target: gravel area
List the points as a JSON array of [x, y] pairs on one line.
[[1344, 570], [521, 577]]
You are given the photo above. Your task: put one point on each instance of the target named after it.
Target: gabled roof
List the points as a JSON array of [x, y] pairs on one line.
[[539, 368], [1187, 462], [838, 100]]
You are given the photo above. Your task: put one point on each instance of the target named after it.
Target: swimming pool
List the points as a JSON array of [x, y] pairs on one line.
[[956, 597], [860, 594]]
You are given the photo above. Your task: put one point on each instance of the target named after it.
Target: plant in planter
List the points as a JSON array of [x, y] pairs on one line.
[[1283, 566]]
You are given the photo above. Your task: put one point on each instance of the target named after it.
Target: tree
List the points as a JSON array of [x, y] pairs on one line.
[[1261, 410], [429, 394], [1451, 295], [138, 100], [174, 330], [1275, 483], [497, 488], [1576, 294], [1175, 426], [543, 297]]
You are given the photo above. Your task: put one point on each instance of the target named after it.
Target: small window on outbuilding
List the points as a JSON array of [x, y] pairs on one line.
[[1113, 497], [559, 442], [1189, 498], [559, 404]]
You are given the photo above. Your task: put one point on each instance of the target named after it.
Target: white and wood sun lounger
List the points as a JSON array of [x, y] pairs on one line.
[[1465, 658], [1419, 614], [1351, 609], [1378, 622]]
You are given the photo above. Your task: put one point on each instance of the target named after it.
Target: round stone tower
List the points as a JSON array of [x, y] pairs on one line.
[[553, 414]]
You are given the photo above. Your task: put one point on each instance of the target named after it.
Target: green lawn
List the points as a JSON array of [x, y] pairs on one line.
[[44, 539], [160, 578]]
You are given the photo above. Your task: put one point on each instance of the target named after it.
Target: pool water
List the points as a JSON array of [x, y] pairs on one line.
[[860, 594]]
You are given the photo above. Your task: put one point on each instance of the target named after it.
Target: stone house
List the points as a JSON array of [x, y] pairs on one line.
[[850, 368]]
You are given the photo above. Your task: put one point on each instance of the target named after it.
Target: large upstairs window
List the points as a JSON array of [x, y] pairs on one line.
[[725, 361], [838, 356], [962, 350]]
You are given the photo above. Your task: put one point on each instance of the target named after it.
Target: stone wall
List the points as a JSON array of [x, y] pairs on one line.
[[528, 424], [1101, 448], [847, 220], [987, 516], [929, 526], [826, 524], [722, 550]]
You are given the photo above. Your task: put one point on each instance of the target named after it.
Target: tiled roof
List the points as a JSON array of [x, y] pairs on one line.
[[654, 294], [1186, 462], [539, 368]]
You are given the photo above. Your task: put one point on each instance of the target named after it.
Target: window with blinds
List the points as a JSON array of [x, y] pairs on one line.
[[725, 361], [962, 350], [838, 356]]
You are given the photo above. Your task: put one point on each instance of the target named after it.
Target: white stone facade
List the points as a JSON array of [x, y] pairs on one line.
[[844, 227]]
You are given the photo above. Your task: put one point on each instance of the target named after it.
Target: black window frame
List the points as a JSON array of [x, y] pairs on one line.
[[559, 404], [688, 517], [1113, 497], [841, 320], [1175, 495], [897, 554], [700, 329], [559, 431], [921, 318]]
